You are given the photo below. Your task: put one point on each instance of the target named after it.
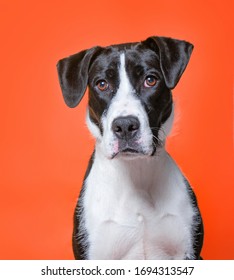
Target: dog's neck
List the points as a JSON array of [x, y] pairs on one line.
[[139, 170]]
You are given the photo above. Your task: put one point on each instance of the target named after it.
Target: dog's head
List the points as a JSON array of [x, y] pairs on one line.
[[130, 108]]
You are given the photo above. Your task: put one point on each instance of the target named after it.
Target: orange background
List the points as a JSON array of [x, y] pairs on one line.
[[45, 146]]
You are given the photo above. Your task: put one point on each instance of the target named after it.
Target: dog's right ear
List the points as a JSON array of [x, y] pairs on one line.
[[73, 75]]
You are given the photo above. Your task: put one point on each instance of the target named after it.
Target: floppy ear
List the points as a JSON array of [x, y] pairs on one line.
[[174, 56], [73, 76]]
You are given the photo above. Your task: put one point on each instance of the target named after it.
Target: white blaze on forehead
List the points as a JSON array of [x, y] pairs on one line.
[[125, 87], [125, 102]]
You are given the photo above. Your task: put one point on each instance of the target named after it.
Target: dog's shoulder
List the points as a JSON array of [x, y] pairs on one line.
[[79, 238]]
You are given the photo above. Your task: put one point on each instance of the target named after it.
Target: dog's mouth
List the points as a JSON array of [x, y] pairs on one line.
[[126, 151], [131, 153], [137, 147]]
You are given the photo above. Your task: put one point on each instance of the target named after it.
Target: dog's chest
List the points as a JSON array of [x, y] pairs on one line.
[[136, 216]]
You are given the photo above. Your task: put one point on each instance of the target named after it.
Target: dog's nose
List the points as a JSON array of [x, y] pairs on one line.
[[125, 127]]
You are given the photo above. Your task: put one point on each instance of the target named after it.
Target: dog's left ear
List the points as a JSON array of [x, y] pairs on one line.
[[174, 56], [73, 75]]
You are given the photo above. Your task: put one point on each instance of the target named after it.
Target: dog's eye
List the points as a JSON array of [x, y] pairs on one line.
[[102, 85], [150, 81]]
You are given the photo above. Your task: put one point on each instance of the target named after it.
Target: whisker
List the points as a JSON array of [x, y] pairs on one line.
[[163, 131], [159, 141], [159, 129]]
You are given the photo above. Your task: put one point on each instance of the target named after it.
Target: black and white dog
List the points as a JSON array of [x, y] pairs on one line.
[[135, 202]]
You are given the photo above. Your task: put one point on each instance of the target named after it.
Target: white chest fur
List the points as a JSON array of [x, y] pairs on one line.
[[137, 209]]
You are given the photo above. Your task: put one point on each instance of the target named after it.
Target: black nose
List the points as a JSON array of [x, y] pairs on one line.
[[125, 127]]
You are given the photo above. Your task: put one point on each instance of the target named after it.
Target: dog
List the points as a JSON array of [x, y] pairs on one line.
[[135, 203]]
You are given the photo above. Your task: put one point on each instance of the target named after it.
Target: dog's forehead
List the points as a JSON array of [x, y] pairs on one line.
[[135, 54]]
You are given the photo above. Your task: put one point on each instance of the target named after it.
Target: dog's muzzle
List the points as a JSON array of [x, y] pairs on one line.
[[127, 131]]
